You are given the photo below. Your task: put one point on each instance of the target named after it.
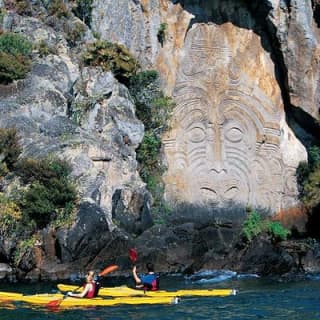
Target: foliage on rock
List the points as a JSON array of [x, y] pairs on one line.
[[161, 35], [9, 149], [58, 8], [83, 10], [154, 110], [111, 57], [49, 193], [15, 60], [10, 216], [308, 177], [254, 225]]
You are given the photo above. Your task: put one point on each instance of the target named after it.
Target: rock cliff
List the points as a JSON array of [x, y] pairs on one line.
[[244, 76]]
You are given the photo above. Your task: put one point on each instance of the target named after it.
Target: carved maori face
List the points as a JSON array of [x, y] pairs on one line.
[[224, 144]]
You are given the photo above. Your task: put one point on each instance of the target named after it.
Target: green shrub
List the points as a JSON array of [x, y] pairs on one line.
[[37, 204], [9, 148], [254, 225], [14, 44], [23, 7], [42, 170], [83, 10], [74, 32], [277, 231], [58, 8], [14, 57], [311, 189], [49, 194], [149, 149], [10, 216], [143, 86], [23, 246], [154, 110], [161, 35], [152, 107], [111, 57], [308, 177], [13, 67], [44, 49]]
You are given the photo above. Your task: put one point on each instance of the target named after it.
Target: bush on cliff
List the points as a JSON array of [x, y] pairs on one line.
[[15, 44], [111, 57], [308, 177], [83, 10], [58, 8], [15, 60], [10, 216], [49, 194], [255, 225], [154, 109], [9, 149]]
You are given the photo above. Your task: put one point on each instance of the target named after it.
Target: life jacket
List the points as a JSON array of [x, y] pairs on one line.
[[93, 292], [150, 282]]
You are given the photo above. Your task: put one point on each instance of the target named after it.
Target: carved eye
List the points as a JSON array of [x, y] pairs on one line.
[[234, 134], [209, 194], [196, 135], [231, 192]]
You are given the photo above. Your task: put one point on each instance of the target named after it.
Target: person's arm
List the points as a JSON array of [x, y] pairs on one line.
[[81, 294], [135, 276]]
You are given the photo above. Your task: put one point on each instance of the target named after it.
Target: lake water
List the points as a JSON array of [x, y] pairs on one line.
[[257, 298]]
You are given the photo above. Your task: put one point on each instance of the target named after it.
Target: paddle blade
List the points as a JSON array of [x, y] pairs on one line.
[[54, 303], [108, 269], [133, 255]]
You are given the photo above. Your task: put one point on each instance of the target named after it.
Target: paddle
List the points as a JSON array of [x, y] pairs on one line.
[[133, 255], [108, 269], [56, 303]]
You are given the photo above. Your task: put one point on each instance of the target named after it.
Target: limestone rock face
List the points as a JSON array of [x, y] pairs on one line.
[[86, 117], [229, 140], [132, 23], [298, 33]]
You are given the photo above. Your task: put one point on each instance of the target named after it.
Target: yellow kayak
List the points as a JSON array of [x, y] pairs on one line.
[[61, 301], [124, 291]]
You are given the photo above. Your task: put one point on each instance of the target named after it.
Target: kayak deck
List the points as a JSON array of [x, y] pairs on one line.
[[124, 291], [62, 301]]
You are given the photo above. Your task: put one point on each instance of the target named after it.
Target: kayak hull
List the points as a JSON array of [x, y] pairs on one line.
[[124, 291], [61, 301]]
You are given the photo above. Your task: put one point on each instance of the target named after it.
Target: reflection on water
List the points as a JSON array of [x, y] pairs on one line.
[[257, 298]]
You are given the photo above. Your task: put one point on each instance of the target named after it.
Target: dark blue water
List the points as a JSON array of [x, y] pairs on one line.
[[257, 299]]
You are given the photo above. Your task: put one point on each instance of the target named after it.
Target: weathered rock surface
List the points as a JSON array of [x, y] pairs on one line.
[[245, 78]]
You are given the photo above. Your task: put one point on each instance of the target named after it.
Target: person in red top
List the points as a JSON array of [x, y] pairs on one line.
[[89, 289]]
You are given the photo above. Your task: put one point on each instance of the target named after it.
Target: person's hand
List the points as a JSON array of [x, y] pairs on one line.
[[69, 293]]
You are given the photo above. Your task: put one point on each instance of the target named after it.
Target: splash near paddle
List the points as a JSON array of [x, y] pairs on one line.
[[133, 255]]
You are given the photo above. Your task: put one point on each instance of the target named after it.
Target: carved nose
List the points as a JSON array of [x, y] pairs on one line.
[[215, 154], [217, 167]]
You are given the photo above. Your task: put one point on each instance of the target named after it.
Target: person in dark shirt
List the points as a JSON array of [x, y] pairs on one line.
[[149, 281]]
